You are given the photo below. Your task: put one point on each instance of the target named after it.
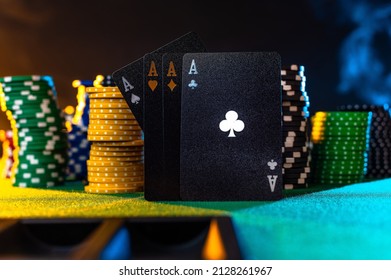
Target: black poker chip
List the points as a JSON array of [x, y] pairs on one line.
[[295, 165], [293, 83], [286, 119], [288, 128], [294, 180], [304, 175], [297, 125], [296, 95], [293, 108], [108, 81], [293, 67], [295, 186], [293, 133], [295, 160], [294, 77], [296, 170], [287, 72], [293, 88], [295, 139], [292, 144], [379, 154], [295, 155], [295, 149], [296, 103], [296, 143], [299, 113]]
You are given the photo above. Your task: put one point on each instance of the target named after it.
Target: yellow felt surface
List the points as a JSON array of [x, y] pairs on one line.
[[71, 201]]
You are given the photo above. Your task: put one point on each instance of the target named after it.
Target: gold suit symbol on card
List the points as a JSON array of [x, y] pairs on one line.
[[152, 84], [171, 85]]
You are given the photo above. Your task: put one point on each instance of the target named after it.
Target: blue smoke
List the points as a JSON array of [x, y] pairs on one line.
[[365, 54]]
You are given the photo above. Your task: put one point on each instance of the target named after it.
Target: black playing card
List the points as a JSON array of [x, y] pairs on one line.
[[156, 187], [172, 87], [129, 78], [231, 127]]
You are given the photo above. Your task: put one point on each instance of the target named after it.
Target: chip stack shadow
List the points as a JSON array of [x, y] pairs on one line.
[[295, 105], [41, 139], [116, 163]]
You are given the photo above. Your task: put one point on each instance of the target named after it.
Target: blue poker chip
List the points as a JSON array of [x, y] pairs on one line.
[[78, 153]]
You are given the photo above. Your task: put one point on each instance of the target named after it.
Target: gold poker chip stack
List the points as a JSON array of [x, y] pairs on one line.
[[116, 163]]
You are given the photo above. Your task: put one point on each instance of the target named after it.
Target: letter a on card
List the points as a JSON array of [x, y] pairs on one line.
[[193, 68]]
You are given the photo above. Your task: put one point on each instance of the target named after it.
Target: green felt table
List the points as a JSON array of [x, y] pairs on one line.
[[345, 222]]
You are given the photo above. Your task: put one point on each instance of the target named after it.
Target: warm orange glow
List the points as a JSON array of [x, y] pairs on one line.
[[76, 83], [81, 91], [317, 132], [98, 81], [214, 247], [69, 110], [4, 157]]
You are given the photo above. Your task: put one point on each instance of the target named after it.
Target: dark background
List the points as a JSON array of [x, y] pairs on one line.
[[79, 39]]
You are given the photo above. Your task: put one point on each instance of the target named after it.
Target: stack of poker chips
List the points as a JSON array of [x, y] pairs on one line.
[[340, 147], [8, 149], [116, 163], [41, 139], [78, 152], [7, 158], [108, 81], [295, 104], [79, 146], [379, 157]]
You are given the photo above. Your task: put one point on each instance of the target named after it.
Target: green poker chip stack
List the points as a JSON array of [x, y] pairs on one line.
[[41, 140], [340, 147]]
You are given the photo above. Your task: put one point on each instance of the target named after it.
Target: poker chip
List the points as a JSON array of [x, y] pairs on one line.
[[116, 148], [120, 111], [113, 138], [116, 154], [39, 131], [338, 156], [113, 122], [119, 143], [113, 132], [117, 179], [116, 161], [110, 116], [116, 185], [108, 81], [295, 112], [79, 150], [102, 190], [99, 90], [114, 127], [303, 175], [109, 105], [293, 67], [106, 101], [115, 169], [116, 175], [8, 153], [297, 170]]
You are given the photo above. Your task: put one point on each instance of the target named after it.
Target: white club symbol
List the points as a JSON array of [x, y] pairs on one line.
[[231, 123]]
